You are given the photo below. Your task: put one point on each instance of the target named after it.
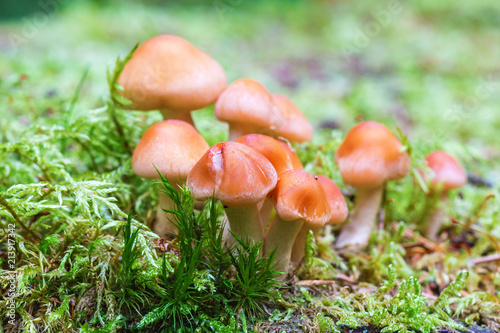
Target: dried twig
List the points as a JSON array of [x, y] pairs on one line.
[[481, 260], [308, 283]]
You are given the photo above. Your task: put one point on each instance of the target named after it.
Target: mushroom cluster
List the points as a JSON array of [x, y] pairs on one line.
[[257, 172]]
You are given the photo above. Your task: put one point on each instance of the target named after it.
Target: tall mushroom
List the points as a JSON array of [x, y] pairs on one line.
[[338, 208], [369, 156], [169, 74], [239, 177], [247, 106], [298, 198], [173, 147], [446, 174]]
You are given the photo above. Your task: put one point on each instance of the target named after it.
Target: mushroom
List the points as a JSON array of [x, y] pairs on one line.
[[281, 158], [339, 211], [169, 74], [369, 156], [295, 126], [173, 147], [297, 164], [272, 149], [298, 198], [247, 106], [446, 174], [239, 177]]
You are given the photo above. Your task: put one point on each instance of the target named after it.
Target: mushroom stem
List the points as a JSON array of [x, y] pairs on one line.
[[245, 223], [163, 225], [358, 230], [266, 209], [184, 116], [436, 217], [237, 131], [226, 232], [299, 245], [281, 236]]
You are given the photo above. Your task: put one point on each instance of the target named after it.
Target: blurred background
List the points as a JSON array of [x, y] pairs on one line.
[[428, 67]]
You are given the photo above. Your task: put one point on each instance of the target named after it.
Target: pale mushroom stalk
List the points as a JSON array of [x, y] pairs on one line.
[[436, 217], [163, 224], [236, 131], [245, 223], [184, 116], [281, 236], [300, 243], [266, 209], [360, 226]]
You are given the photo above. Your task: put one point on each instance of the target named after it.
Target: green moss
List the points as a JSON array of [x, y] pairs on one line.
[[66, 184]]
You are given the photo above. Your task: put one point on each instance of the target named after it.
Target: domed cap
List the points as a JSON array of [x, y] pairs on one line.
[[168, 72], [271, 149], [249, 105], [371, 155], [173, 146], [336, 200], [447, 172], [236, 174], [299, 195], [297, 164], [295, 125]]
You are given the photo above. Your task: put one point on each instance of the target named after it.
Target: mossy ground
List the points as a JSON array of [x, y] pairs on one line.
[[429, 68]]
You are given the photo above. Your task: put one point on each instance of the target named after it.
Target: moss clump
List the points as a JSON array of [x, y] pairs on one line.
[[85, 259]]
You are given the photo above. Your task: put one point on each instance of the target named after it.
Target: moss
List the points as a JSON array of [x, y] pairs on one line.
[[66, 183]]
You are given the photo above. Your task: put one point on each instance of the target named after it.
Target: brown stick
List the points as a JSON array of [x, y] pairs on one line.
[[308, 283], [492, 257]]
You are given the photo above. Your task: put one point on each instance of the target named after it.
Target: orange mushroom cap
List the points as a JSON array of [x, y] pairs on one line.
[[234, 173], [173, 146], [336, 200], [297, 164], [295, 125], [248, 104], [447, 172], [299, 195], [371, 155], [271, 149], [168, 72]]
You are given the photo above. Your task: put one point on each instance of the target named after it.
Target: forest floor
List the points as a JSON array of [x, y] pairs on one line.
[[76, 253]]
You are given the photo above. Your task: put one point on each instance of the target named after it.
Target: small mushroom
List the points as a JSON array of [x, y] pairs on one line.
[[169, 74], [295, 126], [173, 147], [339, 211], [247, 106], [240, 178], [281, 158], [446, 174], [369, 156], [272, 149], [298, 198]]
